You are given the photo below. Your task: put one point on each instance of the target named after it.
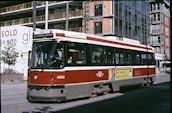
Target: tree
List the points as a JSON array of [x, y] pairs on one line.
[[9, 55]]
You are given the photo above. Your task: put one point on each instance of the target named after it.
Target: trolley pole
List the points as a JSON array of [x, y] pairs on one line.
[[34, 15], [67, 13], [46, 15]]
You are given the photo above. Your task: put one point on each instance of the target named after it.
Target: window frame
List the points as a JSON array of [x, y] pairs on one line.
[[104, 61], [91, 47], [135, 53], [107, 56], [98, 29], [67, 53], [98, 10]]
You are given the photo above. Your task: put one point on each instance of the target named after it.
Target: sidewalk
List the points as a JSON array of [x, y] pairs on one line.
[[16, 82], [162, 77], [162, 74]]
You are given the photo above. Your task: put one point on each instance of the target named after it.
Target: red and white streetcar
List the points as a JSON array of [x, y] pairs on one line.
[[67, 65]]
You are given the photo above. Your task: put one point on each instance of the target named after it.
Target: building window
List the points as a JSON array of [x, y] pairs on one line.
[[166, 31], [151, 18], [129, 30], [98, 10], [151, 7], [135, 19], [2, 24], [157, 49], [159, 39], [120, 27], [116, 9], [126, 29], [135, 31], [26, 20], [120, 10], [166, 20], [58, 26], [167, 51], [158, 6], [2, 10], [98, 27], [154, 17], [16, 21], [126, 13], [27, 5], [154, 7], [158, 17], [9, 23]]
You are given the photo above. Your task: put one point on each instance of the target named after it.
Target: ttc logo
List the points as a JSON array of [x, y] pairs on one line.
[[99, 74]]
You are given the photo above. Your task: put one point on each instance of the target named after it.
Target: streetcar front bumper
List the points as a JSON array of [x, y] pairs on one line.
[[53, 93]]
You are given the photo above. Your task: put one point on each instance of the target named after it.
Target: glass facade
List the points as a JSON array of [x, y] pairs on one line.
[[132, 19]]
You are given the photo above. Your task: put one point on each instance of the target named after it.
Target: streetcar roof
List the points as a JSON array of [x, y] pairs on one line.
[[62, 35]]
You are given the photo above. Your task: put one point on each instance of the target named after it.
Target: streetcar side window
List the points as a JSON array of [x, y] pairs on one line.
[[122, 57], [109, 56], [151, 59], [88, 54], [97, 56], [117, 57], [129, 60], [143, 58], [147, 58], [137, 57], [76, 54]]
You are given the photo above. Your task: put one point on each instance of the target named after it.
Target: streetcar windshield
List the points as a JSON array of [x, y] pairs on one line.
[[47, 55]]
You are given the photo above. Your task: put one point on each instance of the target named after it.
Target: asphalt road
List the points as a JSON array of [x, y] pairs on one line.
[[153, 99]]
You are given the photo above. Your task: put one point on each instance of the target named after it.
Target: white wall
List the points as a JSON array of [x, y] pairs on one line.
[[19, 37]]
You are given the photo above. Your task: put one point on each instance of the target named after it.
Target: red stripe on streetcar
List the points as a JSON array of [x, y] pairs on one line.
[[143, 71], [112, 42], [60, 34], [80, 76]]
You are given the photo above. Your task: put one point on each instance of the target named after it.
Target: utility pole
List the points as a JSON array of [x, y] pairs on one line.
[[67, 13], [46, 15], [34, 15]]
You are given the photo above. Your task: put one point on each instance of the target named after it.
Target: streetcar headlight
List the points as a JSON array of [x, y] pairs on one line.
[[35, 77]]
